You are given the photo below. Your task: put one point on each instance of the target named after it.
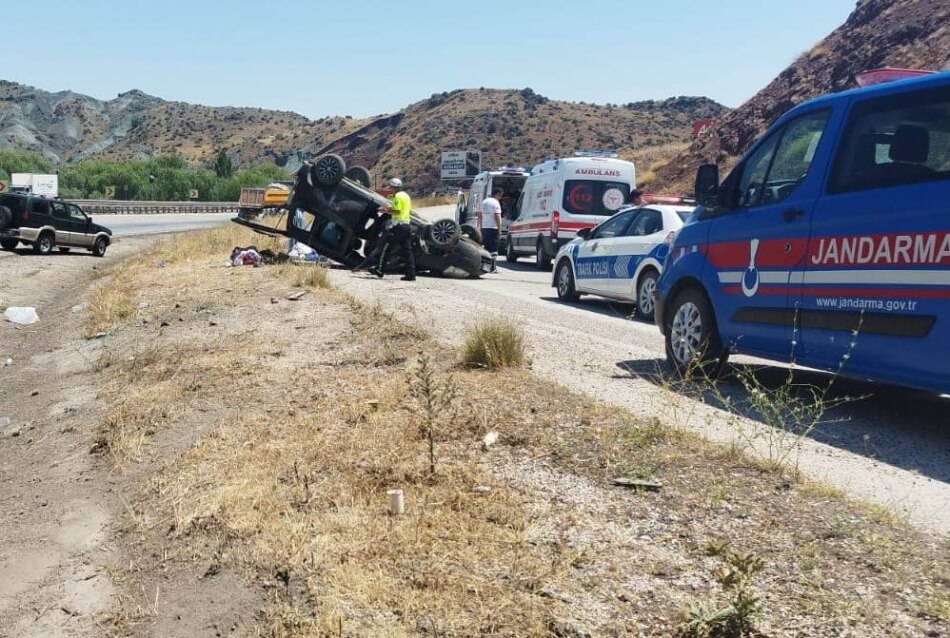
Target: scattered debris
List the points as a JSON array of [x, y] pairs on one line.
[[482, 489], [4, 421], [7, 362], [294, 296], [273, 299], [489, 439], [373, 405], [34, 393], [79, 307], [650, 486], [23, 315], [100, 335], [397, 504]]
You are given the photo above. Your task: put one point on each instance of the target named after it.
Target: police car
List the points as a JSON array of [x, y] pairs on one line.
[[621, 258], [828, 244]]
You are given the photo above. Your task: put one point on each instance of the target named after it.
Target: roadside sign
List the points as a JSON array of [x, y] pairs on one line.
[[110, 192], [461, 164], [193, 193], [4, 185]]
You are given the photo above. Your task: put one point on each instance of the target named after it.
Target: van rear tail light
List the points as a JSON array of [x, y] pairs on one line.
[[555, 224]]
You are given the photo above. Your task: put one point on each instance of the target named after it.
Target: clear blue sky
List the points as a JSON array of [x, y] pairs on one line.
[[361, 58]]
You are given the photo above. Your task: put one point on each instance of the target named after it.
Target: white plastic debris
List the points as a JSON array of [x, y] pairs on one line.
[[7, 362], [490, 439], [23, 315], [397, 505]]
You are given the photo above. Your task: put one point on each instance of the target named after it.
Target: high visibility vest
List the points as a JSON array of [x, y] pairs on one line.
[[402, 207]]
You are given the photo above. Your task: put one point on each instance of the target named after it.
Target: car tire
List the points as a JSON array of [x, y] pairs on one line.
[[543, 262], [693, 343], [44, 244], [471, 232], [467, 257], [443, 234], [99, 247], [646, 287], [328, 170], [564, 282], [6, 218], [510, 255], [9, 244], [360, 175]]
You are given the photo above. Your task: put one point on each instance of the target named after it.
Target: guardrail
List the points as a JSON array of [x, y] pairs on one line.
[[120, 207]]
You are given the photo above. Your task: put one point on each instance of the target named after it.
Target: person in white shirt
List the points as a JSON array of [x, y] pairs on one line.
[[489, 223]]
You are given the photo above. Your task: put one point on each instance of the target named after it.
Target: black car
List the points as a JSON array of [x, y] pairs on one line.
[[340, 218], [46, 223]]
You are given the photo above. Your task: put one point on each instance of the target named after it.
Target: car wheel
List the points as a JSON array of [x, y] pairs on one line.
[[646, 287], [6, 218], [99, 248], [8, 244], [543, 262], [564, 282], [471, 232], [360, 175], [692, 338], [44, 244], [444, 233], [510, 255], [328, 170]]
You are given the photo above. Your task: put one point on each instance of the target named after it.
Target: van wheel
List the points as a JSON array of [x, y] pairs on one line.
[[44, 244], [565, 282], [99, 248], [8, 244], [646, 287], [510, 255], [693, 343], [544, 262]]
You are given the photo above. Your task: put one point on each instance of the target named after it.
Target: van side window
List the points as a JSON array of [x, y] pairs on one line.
[[782, 162], [39, 207], [895, 140]]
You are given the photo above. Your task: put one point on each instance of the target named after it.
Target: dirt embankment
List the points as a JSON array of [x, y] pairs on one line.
[[253, 439]]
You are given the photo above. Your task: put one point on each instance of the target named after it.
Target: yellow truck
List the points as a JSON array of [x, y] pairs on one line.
[[255, 201]]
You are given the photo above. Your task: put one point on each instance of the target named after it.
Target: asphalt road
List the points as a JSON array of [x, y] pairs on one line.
[[130, 225]]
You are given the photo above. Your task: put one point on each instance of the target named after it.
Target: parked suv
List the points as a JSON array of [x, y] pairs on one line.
[[339, 217], [828, 244], [49, 223]]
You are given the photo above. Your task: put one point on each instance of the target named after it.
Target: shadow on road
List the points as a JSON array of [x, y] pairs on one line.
[[897, 426]]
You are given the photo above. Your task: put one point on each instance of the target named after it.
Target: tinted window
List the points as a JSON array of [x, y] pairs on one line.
[[614, 227], [592, 197], [779, 165], [39, 206], [649, 221], [895, 140], [59, 210]]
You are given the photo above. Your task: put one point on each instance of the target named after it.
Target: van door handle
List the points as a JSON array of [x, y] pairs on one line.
[[792, 214]]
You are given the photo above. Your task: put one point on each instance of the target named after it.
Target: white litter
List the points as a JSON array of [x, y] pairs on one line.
[[490, 439], [24, 315]]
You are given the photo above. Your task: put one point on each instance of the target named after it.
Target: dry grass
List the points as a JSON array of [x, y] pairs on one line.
[[306, 275], [494, 345], [441, 200], [301, 439]]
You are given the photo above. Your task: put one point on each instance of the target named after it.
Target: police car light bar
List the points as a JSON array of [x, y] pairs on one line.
[[587, 153], [886, 74]]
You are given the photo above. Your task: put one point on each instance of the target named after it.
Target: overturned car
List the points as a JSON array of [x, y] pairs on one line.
[[334, 211]]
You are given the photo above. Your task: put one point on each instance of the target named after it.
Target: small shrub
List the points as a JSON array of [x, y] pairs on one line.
[[494, 345], [737, 618]]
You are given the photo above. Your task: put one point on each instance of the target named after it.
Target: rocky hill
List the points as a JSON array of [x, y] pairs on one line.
[[516, 127], [897, 33]]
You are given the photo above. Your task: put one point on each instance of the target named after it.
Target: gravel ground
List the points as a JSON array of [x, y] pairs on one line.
[[891, 448]]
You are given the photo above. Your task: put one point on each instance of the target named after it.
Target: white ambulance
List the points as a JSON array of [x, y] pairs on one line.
[[510, 180], [561, 197]]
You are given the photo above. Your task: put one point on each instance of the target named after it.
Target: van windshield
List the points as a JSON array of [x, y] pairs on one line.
[[594, 197]]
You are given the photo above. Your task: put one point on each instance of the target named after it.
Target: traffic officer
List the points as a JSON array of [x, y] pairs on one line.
[[399, 232]]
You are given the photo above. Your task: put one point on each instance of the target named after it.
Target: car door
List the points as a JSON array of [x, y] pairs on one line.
[[65, 231], [598, 257], [640, 237], [876, 293], [80, 226], [761, 237]]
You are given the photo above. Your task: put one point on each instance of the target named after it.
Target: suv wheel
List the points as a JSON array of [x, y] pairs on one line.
[[99, 248], [8, 244], [692, 338], [444, 233], [360, 175], [6, 218], [44, 244], [328, 170]]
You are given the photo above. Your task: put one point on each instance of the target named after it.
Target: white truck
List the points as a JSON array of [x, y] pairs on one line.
[[43, 185]]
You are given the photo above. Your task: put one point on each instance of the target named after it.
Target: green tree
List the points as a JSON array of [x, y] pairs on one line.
[[222, 165]]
